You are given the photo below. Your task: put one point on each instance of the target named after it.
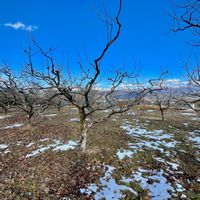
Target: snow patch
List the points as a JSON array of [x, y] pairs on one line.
[[138, 132], [5, 116], [17, 125], [131, 113], [74, 120], [188, 113], [108, 187], [122, 153], [57, 146], [158, 188], [195, 118], [50, 115], [156, 139], [150, 110], [64, 147], [3, 146], [174, 166], [44, 139], [38, 151], [30, 144], [195, 137]]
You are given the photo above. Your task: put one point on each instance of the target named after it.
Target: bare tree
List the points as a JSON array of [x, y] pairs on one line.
[[24, 95], [191, 96], [162, 99], [187, 17], [55, 100], [83, 92], [6, 100]]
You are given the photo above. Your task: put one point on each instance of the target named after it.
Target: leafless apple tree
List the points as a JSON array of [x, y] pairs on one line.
[[83, 92], [24, 95], [6, 100], [55, 101], [191, 96], [162, 100], [187, 17]]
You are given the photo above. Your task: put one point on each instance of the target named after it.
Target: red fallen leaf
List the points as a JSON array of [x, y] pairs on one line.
[[170, 178], [86, 198], [21, 158]]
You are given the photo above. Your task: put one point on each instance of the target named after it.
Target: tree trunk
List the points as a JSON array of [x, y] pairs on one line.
[[59, 110], [84, 139], [162, 114], [161, 110], [29, 120], [83, 131], [5, 111]]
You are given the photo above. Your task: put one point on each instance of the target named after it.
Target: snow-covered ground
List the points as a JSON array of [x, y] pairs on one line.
[[107, 188], [122, 153], [154, 180], [195, 137], [155, 139]]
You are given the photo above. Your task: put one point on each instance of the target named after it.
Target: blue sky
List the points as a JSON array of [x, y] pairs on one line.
[[73, 29]]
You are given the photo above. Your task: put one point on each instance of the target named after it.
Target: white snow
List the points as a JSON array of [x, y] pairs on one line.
[[150, 110], [4, 116], [183, 196], [131, 113], [44, 139], [64, 147], [89, 190], [188, 113], [57, 145], [108, 189], [159, 188], [50, 115], [38, 151], [12, 126], [179, 187], [74, 120], [195, 118], [122, 153], [30, 144], [174, 166], [195, 137], [155, 139], [138, 132], [18, 143], [106, 111], [3, 146]]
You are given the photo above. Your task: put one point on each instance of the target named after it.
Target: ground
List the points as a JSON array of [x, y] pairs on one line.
[[131, 156]]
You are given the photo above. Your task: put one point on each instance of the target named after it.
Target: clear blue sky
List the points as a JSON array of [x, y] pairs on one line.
[[73, 28]]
